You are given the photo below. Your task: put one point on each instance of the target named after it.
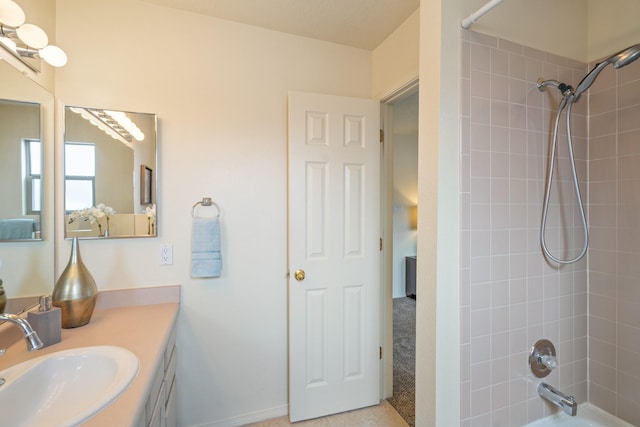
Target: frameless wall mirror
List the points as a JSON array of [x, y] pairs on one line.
[[110, 173], [20, 170]]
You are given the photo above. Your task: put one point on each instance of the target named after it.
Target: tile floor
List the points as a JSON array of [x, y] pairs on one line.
[[382, 415]]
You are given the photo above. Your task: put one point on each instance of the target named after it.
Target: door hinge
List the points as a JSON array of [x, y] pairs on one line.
[[380, 352], [381, 135], [381, 244]]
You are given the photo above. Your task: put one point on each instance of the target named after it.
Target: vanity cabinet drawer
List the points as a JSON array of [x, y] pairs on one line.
[[170, 372], [171, 410], [171, 346], [154, 394], [171, 415], [156, 417], [161, 405]]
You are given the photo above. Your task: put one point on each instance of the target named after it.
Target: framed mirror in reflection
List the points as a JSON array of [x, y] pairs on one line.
[[20, 171], [109, 172]]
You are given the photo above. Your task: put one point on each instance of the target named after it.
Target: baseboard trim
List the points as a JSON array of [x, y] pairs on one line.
[[252, 417]]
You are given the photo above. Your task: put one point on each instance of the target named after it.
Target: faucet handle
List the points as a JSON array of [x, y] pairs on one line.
[[2, 351], [542, 358], [549, 361]]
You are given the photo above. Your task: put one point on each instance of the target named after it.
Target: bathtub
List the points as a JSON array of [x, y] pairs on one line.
[[588, 416]]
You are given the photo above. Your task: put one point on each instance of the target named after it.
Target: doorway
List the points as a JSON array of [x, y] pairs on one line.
[[400, 118]]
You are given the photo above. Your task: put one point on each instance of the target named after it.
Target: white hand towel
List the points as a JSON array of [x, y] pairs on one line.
[[206, 259]]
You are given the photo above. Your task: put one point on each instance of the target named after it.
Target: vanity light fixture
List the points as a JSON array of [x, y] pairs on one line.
[[116, 124], [26, 41]]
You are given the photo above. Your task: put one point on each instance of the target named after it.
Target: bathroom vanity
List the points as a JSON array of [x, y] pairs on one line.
[[143, 321]]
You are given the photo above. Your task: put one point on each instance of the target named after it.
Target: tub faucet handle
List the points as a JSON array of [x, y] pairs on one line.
[[549, 361], [542, 358]]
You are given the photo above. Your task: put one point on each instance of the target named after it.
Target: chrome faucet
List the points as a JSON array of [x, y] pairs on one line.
[[30, 336], [567, 403]]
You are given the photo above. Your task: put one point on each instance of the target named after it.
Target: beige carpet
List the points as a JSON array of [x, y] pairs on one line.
[[404, 358]]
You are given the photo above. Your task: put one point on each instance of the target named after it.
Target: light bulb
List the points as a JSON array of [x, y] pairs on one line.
[[32, 35], [117, 115], [139, 136], [11, 14], [53, 55]]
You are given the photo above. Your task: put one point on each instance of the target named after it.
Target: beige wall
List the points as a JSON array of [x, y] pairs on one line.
[[612, 26], [220, 92], [405, 187], [429, 142], [395, 61]]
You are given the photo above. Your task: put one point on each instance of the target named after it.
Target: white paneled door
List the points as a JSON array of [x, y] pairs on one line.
[[334, 254]]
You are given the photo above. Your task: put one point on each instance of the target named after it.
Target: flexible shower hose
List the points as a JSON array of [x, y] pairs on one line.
[[545, 206]]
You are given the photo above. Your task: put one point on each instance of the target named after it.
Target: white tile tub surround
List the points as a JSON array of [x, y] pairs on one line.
[[510, 296]]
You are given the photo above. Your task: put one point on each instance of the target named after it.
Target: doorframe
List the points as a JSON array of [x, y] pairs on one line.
[[386, 231]]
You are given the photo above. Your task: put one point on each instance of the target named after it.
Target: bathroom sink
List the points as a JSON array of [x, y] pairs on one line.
[[66, 387]]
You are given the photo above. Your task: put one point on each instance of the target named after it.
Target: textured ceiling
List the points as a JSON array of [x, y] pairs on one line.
[[359, 23]]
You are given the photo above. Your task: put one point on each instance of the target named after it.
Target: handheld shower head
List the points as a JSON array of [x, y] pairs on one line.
[[619, 60], [626, 56]]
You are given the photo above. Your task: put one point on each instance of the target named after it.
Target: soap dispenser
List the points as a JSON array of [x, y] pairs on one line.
[[46, 321]]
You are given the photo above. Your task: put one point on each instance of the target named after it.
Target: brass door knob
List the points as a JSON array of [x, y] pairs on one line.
[[299, 275]]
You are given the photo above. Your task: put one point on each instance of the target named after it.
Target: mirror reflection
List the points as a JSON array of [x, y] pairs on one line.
[[110, 173], [20, 170], [27, 264]]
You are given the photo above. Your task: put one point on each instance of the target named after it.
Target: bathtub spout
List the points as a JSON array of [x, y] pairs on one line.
[[567, 403]]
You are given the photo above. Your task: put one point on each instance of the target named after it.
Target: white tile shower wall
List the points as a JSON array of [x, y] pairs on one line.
[[510, 296], [614, 276]]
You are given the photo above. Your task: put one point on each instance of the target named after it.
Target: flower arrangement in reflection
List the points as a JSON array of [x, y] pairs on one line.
[[150, 212], [93, 215]]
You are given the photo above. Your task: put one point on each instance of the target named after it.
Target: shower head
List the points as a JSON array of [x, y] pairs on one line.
[[626, 57], [619, 60]]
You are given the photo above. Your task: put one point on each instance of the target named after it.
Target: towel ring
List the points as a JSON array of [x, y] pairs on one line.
[[206, 201]]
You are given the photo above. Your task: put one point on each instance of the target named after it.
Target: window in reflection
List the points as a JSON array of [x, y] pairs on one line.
[[20, 170], [33, 175], [80, 175]]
